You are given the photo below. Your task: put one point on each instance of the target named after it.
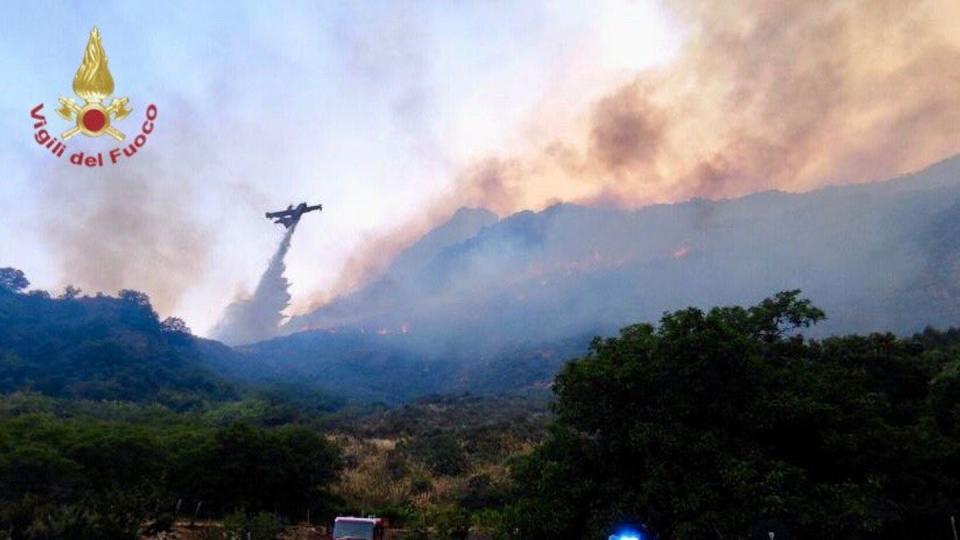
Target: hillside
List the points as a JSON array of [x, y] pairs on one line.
[[876, 256], [497, 306], [819, 438], [101, 348], [368, 367]]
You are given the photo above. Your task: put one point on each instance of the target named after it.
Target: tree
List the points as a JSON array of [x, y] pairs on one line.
[[175, 325], [70, 293], [715, 424], [138, 309], [134, 297], [13, 280], [288, 470]]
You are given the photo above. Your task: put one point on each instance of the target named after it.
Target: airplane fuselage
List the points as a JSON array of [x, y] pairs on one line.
[[291, 216]]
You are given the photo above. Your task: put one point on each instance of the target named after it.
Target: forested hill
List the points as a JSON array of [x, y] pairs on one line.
[[99, 347], [115, 348]]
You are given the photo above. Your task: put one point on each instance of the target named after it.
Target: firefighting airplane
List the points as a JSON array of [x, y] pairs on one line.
[[291, 216]]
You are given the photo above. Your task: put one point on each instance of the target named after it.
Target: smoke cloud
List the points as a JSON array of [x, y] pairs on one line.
[[258, 317], [876, 257], [788, 95], [125, 230]]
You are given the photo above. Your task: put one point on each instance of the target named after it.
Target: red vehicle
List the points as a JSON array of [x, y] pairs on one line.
[[355, 528]]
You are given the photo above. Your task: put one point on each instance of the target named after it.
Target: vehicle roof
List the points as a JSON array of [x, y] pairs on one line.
[[358, 520]]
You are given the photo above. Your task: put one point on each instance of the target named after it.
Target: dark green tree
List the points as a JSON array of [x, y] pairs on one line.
[[13, 280], [286, 470], [70, 293], [717, 424], [175, 325]]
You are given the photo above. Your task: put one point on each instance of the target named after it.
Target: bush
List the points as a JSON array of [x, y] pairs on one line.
[[260, 526], [442, 454], [450, 523]]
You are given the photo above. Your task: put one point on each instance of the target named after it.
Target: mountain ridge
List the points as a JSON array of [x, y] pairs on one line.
[[502, 304], [592, 249]]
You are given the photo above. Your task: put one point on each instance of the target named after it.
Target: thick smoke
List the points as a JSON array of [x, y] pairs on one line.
[[876, 257], [788, 95], [258, 317], [123, 228]]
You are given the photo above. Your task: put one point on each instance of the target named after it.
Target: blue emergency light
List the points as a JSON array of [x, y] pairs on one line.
[[627, 534]]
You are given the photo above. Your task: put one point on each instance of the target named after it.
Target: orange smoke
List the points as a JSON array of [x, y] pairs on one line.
[[786, 95]]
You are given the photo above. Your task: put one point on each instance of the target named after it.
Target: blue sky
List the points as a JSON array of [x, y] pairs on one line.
[[371, 108]]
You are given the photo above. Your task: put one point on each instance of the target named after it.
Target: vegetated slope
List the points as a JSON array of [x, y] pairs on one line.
[[876, 256], [472, 416], [100, 348], [490, 306], [365, 367]]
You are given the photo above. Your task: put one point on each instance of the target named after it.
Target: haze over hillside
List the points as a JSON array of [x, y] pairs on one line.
[[875, 256]]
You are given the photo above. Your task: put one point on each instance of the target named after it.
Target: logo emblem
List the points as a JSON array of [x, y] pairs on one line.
[[91, 116], [93, 84]]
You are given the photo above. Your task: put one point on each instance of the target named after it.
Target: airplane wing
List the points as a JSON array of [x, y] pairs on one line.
[[291, 215]]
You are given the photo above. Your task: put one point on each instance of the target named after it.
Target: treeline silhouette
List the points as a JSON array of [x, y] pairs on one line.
[[98, 347]]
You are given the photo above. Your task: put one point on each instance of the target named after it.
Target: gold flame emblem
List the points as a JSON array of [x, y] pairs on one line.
[[93, 84]]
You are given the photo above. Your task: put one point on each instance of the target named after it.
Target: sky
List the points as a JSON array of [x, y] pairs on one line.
[[393, 114], [369, 108]]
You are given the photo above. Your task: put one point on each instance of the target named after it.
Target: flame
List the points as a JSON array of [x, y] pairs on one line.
[[93, 81]]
